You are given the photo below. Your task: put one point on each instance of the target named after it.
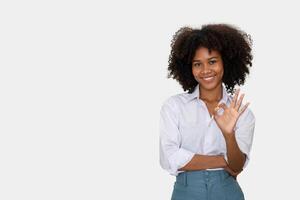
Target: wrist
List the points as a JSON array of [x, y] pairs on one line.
[[229, 135], [221, 161]]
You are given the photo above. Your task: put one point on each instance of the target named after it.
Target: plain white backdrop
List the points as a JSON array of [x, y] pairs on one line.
[[82, 83]]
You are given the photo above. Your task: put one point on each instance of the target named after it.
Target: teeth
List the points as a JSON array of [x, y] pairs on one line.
[[208, 78]]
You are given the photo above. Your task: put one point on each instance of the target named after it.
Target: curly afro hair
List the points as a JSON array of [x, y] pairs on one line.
[[233, 44]]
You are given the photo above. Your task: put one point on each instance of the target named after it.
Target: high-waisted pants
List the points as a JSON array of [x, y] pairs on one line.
[[206, 185]]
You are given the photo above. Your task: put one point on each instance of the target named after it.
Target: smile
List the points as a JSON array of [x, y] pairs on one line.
[[208, 78]]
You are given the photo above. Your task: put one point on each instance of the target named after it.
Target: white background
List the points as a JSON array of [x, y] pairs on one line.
[[82, 83]]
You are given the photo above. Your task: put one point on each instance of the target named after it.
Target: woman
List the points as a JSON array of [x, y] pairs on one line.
[[206, 134]]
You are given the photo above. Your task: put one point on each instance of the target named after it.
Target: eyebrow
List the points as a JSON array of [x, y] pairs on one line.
[[207, 59]]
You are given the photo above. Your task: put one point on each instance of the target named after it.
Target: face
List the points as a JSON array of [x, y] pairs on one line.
[[207, 68]]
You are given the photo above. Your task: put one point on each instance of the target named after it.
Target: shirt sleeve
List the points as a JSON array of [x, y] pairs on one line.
[[172, 155], [244, 132]]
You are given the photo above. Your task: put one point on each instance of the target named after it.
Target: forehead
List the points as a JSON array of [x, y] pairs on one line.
[[203, 53]]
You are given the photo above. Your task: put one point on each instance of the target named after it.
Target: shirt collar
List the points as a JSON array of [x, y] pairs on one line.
[[196, 93]]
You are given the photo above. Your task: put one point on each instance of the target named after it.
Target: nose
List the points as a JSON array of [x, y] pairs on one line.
[[206, 69]]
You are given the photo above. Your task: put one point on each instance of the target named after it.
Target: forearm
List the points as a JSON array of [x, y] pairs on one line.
[[235, 157], [202, 162]]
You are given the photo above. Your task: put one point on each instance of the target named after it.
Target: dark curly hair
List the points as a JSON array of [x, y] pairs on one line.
[[233, 44]]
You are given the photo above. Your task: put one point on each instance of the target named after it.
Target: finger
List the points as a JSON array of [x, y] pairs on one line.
[[239, 103], [244, 108], [220, 106], [235, 98], [215, 111], [231, 172], [223, 105]]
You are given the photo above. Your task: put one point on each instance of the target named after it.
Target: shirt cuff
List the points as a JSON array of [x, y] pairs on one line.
[[179, 159]]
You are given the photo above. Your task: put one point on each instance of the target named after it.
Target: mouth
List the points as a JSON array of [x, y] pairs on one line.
[[208, 79]]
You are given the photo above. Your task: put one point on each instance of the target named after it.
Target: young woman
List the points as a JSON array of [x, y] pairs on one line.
[[206, 134]]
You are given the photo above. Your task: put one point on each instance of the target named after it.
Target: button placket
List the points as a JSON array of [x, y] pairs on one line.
[[209, 118]]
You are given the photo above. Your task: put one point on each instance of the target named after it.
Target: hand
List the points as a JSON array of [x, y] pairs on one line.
[[227, 120], [232, 173]]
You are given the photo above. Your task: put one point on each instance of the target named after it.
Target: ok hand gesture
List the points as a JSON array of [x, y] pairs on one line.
[[227, 120]]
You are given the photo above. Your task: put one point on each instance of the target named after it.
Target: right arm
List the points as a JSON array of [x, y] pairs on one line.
[[202, 162]]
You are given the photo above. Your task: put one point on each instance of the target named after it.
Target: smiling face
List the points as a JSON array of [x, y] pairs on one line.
[[208, 68]]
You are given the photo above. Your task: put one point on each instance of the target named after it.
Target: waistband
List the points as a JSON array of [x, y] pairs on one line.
[[201, 177]]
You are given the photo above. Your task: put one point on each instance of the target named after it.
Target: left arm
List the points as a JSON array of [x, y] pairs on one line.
[[236, 158], [227, 122]]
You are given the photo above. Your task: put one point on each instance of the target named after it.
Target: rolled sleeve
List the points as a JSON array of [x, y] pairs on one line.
[[172, 155], [244, 133]]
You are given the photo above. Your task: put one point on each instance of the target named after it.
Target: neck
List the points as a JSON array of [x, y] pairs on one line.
[[214, 95]]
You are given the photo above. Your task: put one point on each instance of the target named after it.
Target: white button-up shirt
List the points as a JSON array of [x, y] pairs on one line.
[[186, 129]]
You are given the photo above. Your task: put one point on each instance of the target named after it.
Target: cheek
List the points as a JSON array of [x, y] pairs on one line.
[[220, 70], [194, 71]]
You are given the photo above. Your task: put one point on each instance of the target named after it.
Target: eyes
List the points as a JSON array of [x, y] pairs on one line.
[[199, 64], [211, 62]]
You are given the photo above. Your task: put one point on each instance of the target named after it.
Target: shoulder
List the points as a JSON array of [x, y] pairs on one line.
[[176, 100]]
